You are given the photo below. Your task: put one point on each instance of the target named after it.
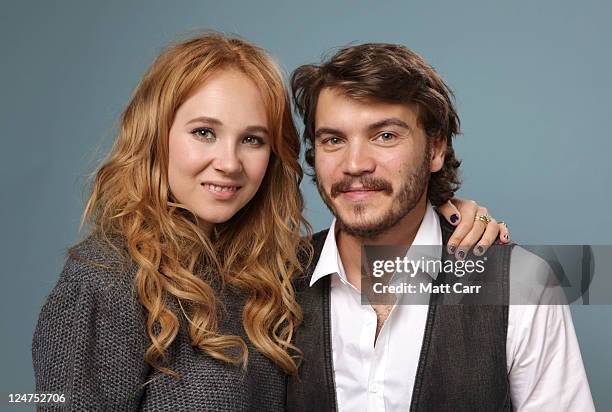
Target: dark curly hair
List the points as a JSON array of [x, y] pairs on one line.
[[387, 73]]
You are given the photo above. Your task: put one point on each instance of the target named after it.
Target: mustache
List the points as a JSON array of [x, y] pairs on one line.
[[367, 182]]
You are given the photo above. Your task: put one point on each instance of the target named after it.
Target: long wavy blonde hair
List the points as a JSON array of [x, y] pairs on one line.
[[256, 251]]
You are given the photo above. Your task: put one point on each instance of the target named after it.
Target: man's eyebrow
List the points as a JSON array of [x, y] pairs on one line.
[[327, 130], [391, 121]]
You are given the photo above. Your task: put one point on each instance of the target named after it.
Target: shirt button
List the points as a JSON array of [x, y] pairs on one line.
[[373, 388]]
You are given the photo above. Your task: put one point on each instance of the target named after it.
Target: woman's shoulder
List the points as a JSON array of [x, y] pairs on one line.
[[99, 260], [92, 321], [97, 278]]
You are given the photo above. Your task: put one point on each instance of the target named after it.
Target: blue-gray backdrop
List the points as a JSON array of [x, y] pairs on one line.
[[532, 81]]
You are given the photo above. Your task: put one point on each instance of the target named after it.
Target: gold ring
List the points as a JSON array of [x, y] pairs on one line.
[[484, 219], [501, 222]]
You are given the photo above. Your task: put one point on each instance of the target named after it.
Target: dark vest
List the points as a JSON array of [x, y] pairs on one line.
[[462, 365]]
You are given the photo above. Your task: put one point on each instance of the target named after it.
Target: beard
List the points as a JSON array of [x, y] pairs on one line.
[[412, 189]]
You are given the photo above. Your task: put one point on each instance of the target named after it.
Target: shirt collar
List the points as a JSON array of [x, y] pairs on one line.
[[329, 262]]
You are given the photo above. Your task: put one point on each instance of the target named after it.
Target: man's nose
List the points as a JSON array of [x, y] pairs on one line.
[[358, 159]]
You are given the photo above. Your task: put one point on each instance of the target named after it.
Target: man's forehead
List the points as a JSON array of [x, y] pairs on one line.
[[336, 107]]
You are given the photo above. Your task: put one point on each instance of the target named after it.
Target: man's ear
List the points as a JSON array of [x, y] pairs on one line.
[[437, 151]]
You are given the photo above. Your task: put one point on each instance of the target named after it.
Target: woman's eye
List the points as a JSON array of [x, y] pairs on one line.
[[203, 134], [253, 140]]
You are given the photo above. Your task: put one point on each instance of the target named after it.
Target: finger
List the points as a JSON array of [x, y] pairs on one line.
[[467, 209], [504, 232], [470, 239], [450, 212], [474, 235], [488, 238]]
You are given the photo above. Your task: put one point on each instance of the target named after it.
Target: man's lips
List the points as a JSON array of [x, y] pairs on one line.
[[361, 193], [360, 188]]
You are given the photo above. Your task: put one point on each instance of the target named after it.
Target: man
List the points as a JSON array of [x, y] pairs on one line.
[[378, 125]]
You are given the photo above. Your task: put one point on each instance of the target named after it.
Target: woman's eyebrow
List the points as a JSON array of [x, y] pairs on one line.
[[257, 129], [206, 119], [216, 122]]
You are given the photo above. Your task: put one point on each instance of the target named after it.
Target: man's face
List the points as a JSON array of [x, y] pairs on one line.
[[372, 161]]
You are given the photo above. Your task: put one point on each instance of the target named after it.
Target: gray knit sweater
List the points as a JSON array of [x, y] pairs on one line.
[[91, 338]]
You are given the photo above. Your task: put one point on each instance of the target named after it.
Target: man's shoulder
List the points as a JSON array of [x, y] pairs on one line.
[[533, 281], [319, 237], [521, 255], [316, 241]]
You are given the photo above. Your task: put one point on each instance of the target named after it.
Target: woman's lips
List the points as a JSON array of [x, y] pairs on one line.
[[220, 192]]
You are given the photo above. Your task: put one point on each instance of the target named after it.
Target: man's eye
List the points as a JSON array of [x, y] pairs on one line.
[[332, 141], [253, 140], [204, 133], [386, 137]]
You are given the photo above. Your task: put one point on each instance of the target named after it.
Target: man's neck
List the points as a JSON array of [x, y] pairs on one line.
[[403, 233]]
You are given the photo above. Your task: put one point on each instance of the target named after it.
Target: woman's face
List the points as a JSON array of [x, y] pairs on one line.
[[219, 147]]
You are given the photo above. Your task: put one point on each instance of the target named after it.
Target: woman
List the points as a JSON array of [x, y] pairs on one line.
[[181, 295]]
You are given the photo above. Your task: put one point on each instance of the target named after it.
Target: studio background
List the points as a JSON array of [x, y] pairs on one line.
[[532, 82]]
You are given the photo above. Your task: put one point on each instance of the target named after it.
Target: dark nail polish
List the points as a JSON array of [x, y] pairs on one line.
[[454, 218], [451, 248], [506, 236], [461, 254], [479, 250]]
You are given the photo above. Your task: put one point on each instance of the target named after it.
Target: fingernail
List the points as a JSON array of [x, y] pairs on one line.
[[461, 254], [478, 250], [506, 236], [454, 218], [451, 249]]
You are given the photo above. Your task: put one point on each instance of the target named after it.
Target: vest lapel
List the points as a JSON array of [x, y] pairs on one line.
[[462, 364]]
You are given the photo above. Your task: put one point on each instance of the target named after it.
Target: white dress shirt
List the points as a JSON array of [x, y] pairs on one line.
[[544, 364]]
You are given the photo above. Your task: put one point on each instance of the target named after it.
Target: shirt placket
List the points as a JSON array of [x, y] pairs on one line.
[[377, 361]]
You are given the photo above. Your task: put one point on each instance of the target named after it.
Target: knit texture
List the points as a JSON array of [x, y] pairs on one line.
[[91, 338]]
